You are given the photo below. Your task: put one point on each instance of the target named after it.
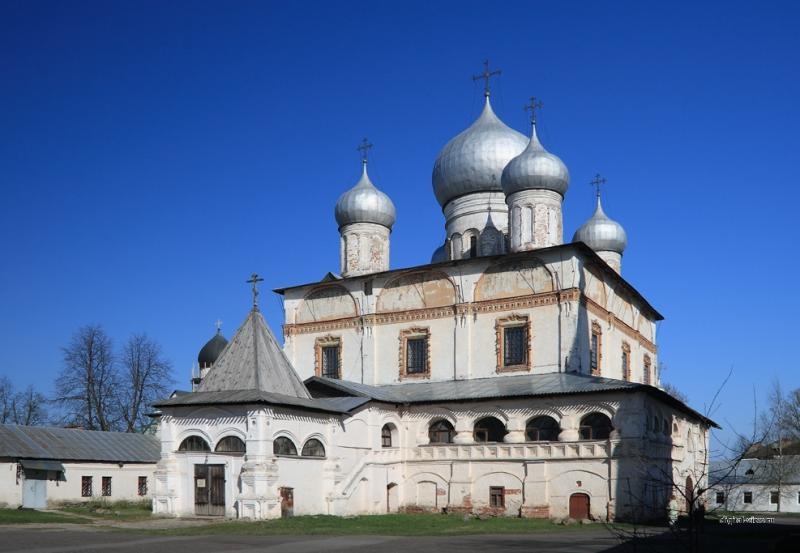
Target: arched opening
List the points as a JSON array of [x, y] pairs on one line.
[[313, 448], [194, 443], [595, 426], [230, 444], [392, 501], [441, 432], [689, 494], [489, 429], [283, 446], [542, 429], [389, 435], [579, 508]]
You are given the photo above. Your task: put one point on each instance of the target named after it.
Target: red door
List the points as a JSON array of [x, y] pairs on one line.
[[579, 506]]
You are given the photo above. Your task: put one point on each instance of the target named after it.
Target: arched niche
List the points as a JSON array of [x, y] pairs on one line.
[[326, 303], [512, 278], [417, 290], [594, 288]]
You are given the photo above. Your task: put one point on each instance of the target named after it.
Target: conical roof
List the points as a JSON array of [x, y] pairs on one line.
[[473, 161], [254, 360]]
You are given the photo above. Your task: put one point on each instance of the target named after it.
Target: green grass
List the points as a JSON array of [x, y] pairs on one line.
[[386, 525], [116, 510], [27, 516]]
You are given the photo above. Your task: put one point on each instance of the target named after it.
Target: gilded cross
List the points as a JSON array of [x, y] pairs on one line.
[[532, 107], [598, 181], [254, 280], [364, 147], [486, 75]]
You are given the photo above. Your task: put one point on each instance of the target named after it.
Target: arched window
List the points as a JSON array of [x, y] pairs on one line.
[[386, 435], [542, 429], [283, 446], [595, 426], [441, 432], [313, 448], [194, 443], [656, 423], [230, 444], [489, 429]]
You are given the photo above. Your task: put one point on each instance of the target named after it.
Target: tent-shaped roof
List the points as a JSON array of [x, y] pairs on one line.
[[253, 360]]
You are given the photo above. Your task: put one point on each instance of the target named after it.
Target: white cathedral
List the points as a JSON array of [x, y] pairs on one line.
[[512, 375]]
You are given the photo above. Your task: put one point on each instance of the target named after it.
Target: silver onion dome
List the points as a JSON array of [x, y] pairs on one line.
[[473, 161], [601, 233], [440, 254], [365, 204], [535, 169]]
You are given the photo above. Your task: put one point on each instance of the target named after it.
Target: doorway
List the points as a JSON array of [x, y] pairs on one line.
[[287, 502], [392, 502], [579, 506], [209, 490]]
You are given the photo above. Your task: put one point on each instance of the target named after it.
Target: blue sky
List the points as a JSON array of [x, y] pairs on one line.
[[154, 154]]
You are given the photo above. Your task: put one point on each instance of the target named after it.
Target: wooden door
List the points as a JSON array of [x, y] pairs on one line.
[[579, 506], [209, 490], [287, 502]]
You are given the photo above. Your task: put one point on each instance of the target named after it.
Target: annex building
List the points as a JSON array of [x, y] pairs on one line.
[[515, 374]]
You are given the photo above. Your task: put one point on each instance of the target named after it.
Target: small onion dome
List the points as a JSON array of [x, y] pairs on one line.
[[601, 233], [365, 204], [535, 169], [210, 352], [440, 254], [474, 160]]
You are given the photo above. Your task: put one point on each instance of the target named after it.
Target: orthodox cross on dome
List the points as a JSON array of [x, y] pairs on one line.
[[532, 107], [486, 75], [218, 324], [597, 182], [254, 280], [364, 147]]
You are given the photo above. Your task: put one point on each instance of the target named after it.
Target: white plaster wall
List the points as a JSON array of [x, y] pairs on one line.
[[789, 497]]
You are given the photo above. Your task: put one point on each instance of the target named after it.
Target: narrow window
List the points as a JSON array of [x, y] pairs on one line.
[[626, 366], [594, 349], [142, 487], [798, 498], [86, 486], [497, 496], [106, 486], [773, 497], [646, 370], [720, 498], [473, 246], [515, 345], [748, 497], [386, 436]]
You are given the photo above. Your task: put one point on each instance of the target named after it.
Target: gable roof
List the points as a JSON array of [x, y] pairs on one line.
[[341, 404], [756, 471], [71, 444], [528, 385], [253, 360]]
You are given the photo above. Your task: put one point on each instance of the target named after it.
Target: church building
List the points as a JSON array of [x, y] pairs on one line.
[[515, 374]]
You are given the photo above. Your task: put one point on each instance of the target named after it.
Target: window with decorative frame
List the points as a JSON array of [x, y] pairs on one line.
[[328, 356], [646, 370], [415, 360], [595, 349], [513, 343], [626, 361], [497, 496]]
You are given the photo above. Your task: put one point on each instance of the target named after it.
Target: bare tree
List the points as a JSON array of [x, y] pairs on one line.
[[88, 382], [30, 407], [6, 400], [145, 374]]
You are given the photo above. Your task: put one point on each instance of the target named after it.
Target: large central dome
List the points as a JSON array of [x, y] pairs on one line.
[[474, 160]]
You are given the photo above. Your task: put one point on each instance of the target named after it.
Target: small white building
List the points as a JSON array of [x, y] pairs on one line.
[[41, 466], [514, 374], [758, 485]]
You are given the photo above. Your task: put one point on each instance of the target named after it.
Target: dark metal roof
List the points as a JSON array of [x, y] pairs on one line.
[[69, 444], [329, 405], [756, 471], [529, 385], [40, 464]]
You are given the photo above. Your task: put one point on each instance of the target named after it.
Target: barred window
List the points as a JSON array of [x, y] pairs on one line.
[[106, 482], [142, 487], [330, 361], [515, 345], [416, 355], [86, 486]]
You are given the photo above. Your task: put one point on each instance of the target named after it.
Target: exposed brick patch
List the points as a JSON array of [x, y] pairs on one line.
[[535, 511]]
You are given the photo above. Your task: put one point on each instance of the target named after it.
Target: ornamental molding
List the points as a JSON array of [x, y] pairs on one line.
[[615, 322]]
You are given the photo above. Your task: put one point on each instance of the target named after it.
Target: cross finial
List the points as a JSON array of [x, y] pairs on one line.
[[532, 107], [364, 147], [598, 181], [486, 75], [254, 280], [218, 324]]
